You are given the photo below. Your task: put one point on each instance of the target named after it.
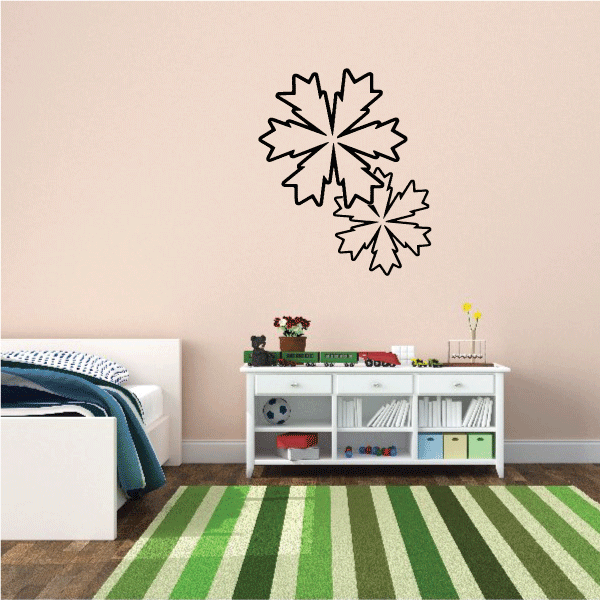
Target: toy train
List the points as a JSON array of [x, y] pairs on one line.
[[330, 359]]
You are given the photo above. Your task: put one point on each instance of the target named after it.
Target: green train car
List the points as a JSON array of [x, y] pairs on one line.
[[310, 359]]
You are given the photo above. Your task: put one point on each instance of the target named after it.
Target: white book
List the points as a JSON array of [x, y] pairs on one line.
[[421, 413], [488, 414], [398, 419], [488, 405], [443, 420], [359, 422], [382, 416], [346, 416], [350, 413], [469, 412], [403, 414], [410, 412], [486, 411], [395, 420], [473, 412], [480, 413], [489, 417], [375, 416], [452, 413], [434, 413], [476, 412], [430, 415], [459, 408], [355, 407], [390, 415], [395, 415], [439, 411], [339, 413], [449, 416]]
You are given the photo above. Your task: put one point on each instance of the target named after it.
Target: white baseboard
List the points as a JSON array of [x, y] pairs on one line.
[[515, 451], [552, 451], [214, 451]]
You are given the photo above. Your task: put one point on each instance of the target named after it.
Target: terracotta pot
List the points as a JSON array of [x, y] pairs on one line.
[[292, 344]]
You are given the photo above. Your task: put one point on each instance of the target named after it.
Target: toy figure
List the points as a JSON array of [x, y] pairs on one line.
[[260, 356]]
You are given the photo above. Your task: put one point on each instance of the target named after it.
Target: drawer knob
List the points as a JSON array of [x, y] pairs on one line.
[[457, 384], [294, 384], [376, 384]]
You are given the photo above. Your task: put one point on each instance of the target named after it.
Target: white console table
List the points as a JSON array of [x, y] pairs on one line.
[[313, 394]]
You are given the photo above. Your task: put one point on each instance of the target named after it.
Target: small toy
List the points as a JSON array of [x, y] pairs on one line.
[[260, 356], [418, 362], [362, 450], [393, 451], [376, 450], [368, 450], [276, 411], [379, 359], [348, 452], [434, 362], [386, 452], [282, 362]]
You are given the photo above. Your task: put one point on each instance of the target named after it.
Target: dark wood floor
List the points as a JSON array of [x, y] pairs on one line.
[[78, 569]]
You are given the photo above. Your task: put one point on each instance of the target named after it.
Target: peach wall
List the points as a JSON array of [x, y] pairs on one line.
[[137, 201]]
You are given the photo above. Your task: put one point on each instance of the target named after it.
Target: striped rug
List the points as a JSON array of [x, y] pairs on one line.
[[366, 542]]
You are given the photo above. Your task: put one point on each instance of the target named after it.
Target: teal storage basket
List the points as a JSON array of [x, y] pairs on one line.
[[481, 445], [431, 445]]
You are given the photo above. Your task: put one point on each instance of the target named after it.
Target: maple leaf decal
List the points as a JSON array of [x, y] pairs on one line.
[[384, 225], [333, 140]]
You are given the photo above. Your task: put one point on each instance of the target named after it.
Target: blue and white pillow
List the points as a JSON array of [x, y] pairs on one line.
[[77, 362]]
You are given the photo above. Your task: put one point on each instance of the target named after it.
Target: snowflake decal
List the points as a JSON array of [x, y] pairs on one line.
[[384, 225], [334, 141]]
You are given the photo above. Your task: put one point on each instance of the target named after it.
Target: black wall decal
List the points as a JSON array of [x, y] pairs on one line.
[[339, 145], [384, 225], [334, 140]]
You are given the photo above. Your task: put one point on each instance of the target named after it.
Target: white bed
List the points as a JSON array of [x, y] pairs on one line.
[[40, 455]]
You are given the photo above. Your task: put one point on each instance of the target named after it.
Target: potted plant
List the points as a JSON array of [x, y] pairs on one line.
[[292, 338]]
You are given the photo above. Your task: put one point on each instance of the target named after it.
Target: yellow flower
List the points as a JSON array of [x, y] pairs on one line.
[[477, 315], [466, 307]]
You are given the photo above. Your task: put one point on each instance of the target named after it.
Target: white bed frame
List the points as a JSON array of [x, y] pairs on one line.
[[59, 474]]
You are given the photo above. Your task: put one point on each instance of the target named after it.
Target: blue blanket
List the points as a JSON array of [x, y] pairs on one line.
[[138, 469]]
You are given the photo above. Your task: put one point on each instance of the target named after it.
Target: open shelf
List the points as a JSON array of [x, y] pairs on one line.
[[455, 429], [298, 426], [402, 455], [306, 414], [376, 429]]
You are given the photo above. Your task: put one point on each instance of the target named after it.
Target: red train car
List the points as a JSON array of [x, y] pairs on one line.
[[379, 359]]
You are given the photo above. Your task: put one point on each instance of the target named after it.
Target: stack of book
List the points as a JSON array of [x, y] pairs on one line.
[[440, 412], [479, 413], [349, 412], [394, 414]]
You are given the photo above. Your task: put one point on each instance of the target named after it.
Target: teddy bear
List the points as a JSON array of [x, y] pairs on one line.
[[260, 356]]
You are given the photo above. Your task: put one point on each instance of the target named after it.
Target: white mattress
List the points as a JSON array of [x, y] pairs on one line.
[[151, 397]]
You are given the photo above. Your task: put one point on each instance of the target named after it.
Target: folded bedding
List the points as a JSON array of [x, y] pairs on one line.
[[27, 386]]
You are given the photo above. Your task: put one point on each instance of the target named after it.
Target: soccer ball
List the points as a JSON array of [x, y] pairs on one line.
[[276, 411]]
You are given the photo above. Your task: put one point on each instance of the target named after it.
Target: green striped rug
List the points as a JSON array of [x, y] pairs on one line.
[[366, 542]]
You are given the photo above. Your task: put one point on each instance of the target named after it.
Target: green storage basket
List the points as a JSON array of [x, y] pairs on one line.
[[481, 445]]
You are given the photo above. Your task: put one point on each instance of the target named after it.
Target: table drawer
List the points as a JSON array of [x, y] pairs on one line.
[[293, 384], [375, 384], [456, 384]]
